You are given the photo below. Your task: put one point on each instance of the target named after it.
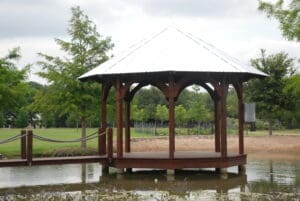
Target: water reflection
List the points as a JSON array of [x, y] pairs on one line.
[[264, 177]]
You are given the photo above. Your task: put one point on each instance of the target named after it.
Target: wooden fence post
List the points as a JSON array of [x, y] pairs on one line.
[[102, 141], [29, 147], [110, 144], [23, 144]]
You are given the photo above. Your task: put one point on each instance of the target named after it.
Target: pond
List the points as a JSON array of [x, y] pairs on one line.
[[263, 180]]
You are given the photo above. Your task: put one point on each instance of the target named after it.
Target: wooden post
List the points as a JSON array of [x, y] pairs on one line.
[[241, 125], [119, 105], [102, 138], [102, 141], [29, 147], [23, 144], [239, 91], [110, 144], [127, 126], [217, 124], [171, 119], [224, 87]]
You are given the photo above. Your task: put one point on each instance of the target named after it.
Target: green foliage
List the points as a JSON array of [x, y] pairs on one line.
[[138, 114], [12, 82], [85, 50], [22, 119], [148, 99], [13, 87], [268, 93], [288, 17], [199, 109], [180, 115], [162, 113], [292, 91], [232, 103]]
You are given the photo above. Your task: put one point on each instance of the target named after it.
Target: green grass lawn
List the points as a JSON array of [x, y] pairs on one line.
[[12, 149]]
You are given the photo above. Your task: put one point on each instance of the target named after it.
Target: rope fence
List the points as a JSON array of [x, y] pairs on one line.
[[11, 139], [41, 138], [87, 138], [27, 137]]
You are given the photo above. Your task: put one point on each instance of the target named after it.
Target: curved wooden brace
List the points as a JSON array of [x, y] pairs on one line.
[[238, 86], [211, 92], [217, 88], [130, 94], [183, 83], [162, 87], [123, 88], [180, 85], [105, 90]]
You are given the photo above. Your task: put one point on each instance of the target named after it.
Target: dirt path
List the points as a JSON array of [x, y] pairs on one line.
[[264, 146]]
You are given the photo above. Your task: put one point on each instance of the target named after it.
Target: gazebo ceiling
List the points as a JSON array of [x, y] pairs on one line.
[[171, 50]]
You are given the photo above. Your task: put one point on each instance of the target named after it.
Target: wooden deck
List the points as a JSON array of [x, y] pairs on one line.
[[182, 159], [160, 160], [177, 155]]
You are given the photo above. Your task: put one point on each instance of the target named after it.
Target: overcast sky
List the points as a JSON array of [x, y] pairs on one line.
[[234, 26]]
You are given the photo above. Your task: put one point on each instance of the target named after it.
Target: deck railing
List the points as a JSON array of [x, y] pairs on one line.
[[105, 146]]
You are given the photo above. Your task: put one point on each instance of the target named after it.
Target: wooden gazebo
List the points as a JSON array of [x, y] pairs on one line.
[[172, 60]]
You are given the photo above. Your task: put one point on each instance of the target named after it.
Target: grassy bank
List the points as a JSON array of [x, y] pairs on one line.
[[12, 149]]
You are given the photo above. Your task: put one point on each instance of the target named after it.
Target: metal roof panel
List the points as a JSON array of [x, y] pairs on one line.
[[171, 50]]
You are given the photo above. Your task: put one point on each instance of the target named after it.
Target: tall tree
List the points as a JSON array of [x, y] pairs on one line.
[[85, 50], [269, 93], [13, 86], [287, 15]]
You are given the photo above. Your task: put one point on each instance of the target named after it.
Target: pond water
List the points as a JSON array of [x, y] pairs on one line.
[[263, 180]]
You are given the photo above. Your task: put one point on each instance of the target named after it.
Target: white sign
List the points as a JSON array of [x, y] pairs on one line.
[[249, 112]]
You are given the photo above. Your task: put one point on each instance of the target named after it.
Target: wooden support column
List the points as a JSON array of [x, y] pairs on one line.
[[127, 126], [23, 144], [241, 119], [223, 118], [119, 106], [171, 118], [102, 138], [217, 124]]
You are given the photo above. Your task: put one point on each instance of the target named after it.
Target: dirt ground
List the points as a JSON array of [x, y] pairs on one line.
[[283, 147]]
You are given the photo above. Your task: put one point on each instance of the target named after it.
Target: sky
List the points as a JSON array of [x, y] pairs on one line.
[[234, 26]]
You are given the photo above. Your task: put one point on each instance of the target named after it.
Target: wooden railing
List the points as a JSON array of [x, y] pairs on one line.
[[105, 149]]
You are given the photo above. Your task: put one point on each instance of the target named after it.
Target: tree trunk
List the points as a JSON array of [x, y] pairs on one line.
[[83, 133], [270, 127]]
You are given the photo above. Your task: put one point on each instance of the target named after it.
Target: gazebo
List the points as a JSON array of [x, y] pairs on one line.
[[172, 60]]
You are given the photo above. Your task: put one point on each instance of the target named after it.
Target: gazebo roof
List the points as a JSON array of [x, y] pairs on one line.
[[171, 50]]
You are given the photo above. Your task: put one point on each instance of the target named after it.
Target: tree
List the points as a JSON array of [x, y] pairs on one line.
[[180, 115], [268, 93], [292, 90], [198, 109], [162, 113], [85, 50], [13, 86], [138, 114], [232, 103], [148, 99], [288, 17]]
